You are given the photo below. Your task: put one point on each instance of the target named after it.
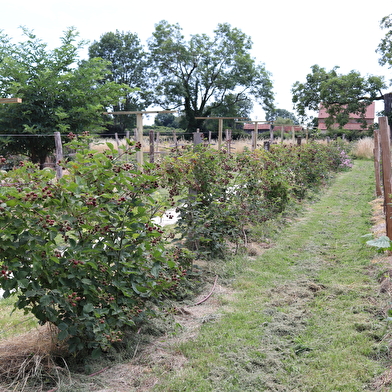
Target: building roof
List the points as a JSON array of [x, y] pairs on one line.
[[369, 114], [351, 125]]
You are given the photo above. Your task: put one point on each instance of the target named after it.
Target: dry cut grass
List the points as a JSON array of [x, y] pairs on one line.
[[27, 360]]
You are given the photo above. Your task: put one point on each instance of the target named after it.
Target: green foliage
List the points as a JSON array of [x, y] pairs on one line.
[[282, 116], [382, 243], [166, 120], [227, 194], [200, 73], [82, 252], [339, 94], [29, 70], [128, 65]]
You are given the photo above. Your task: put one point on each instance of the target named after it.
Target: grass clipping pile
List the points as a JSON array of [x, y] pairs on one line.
[[30, 358]]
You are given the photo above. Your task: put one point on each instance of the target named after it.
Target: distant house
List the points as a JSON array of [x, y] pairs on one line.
[[266, 127], [354, 123]]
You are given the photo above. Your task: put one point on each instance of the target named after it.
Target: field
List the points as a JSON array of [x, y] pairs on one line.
[[288, 314]]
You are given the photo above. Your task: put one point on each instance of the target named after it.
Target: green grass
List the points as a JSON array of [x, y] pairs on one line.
[[13, 323], [306, 316]]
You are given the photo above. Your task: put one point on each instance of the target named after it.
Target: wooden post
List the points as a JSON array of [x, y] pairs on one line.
[[10, 100], [271, 133], [175, 139], [281, 133], [59, 154], [228, 140], [255, 136], [127, 136], [152, 149], [117, 142], [293, 131], [386, 171], [376, 152], [157, 142], [139, 126], [209, 138], [220, 132]]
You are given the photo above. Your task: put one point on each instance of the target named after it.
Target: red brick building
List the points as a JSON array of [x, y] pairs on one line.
[[354, 123]]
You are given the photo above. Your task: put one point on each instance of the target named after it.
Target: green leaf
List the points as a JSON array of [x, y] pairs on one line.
[[382, 242], [88, 308], [63, 334]]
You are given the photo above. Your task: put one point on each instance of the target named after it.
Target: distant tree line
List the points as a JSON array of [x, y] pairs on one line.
[[202, 76]]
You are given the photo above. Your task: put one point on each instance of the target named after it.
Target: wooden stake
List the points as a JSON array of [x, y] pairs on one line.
[[386, 170], [152, 148], [10, 100], [59, 154], [139, 139], [376, 152]]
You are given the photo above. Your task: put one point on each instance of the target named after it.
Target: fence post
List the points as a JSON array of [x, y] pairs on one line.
[[139, 139], [271, 133], [376, 152], [228, 140], [59, 154], [175, 139], [281, 134], [117, 142], [152, 149], [386, 171]]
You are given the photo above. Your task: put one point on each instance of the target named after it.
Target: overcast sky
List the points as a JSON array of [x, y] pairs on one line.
[[288, 36]]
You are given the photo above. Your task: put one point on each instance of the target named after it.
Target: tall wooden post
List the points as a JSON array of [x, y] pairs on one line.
[[255, 136], [59, 154], [281, 133], [220, 132], [376, 153], [152, 147], [139, 126], [386, 171]]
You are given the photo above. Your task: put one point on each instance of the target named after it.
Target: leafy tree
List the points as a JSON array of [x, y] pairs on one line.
[[340, 94], [282, 116], [58, 92], [128, 65], [200, 73], [230, 108], [166, 120], [283, 121]]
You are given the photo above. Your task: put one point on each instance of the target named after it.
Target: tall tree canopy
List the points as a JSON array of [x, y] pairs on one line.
[[343, 94], [58, 92], [198, 75], [282, 116], [128, 65], [340, 94]]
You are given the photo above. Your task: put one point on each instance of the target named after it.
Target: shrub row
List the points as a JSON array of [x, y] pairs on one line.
[[83, 252], [225, 194]]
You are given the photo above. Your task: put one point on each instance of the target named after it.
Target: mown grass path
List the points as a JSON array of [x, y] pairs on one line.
[[307, 314]]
